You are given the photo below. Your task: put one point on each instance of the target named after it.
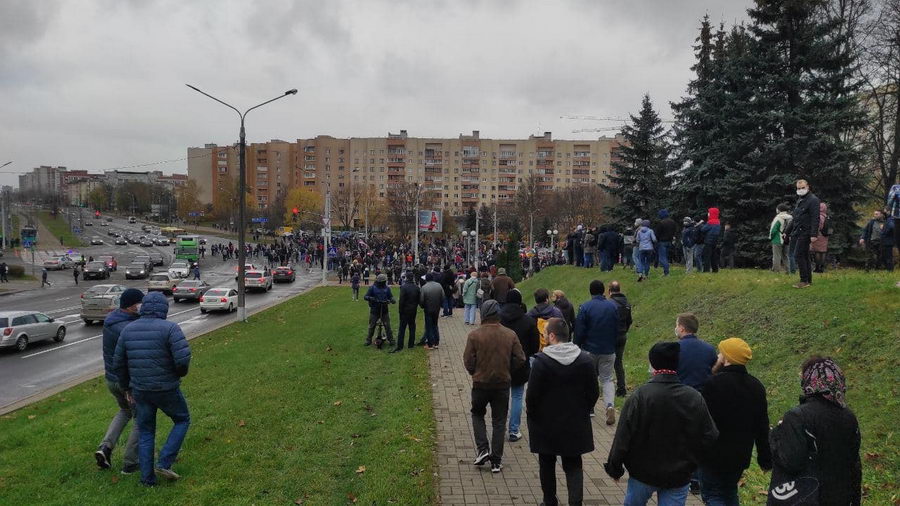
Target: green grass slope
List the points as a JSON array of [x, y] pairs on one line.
[[289, 407], [849, 315]]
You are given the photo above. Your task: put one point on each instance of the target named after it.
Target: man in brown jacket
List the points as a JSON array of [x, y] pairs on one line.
[[492, 353], [501, 285]]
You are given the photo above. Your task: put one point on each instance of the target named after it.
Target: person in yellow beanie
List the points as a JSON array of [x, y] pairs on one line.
[[737, 403]]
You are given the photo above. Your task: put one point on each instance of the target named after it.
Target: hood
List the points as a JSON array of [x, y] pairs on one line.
[[118, 316], [511, 311], [155, 305], [564, 353], [543, 310], [713, 216], [663, 213], [645, 224]]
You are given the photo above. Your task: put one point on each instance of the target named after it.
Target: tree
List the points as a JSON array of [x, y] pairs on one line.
[[579, 205], [309, 203], [530, 200], [187, 200], [639, 178], [347, 204], [101, 197], [401, 206]]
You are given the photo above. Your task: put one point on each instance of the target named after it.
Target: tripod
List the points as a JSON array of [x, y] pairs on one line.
[[379, 329]]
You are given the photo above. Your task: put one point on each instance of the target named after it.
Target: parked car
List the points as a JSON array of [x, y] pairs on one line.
[[131, 219], [136, 270], [104, 224], [284, 274], [219, 299], [121, 241], [99, 300], [156, 258], [96, 241], [257, 280], [88, 224], [162, 282], [110, 262], [95, 270], [18, 328], [202, 240], [180, 268], [59, 263], [190, 289]]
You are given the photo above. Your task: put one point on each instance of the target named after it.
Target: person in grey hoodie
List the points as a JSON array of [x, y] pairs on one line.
[[562, 390], [115, 322], [645, 241]]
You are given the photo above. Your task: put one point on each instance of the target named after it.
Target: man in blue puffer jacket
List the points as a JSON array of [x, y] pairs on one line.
[[150, 359], [113, 325], [596, 332]]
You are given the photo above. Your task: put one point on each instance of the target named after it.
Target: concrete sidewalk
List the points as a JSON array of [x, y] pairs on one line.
[[461, 483]]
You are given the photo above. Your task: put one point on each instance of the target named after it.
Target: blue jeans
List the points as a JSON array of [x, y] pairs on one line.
[[448, 306], [588, 260], [431, 337], [644, 265], [719, 489], [663, 253], [470, 313], [172, 403], [516, 394], [639, 493], [698, 257]]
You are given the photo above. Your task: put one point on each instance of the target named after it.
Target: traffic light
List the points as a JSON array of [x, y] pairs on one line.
[[296, 213]]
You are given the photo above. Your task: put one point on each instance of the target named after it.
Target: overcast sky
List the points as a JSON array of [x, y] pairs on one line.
[[99, 84]]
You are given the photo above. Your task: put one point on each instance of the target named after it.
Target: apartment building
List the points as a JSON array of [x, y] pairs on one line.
[[461, 172]]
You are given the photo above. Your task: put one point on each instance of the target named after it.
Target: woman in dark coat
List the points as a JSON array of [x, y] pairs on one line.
[[513, 317], [819, 438]]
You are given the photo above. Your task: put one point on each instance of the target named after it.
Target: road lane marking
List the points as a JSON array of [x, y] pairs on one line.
[[63, 346], [62, 298], [61, 310]]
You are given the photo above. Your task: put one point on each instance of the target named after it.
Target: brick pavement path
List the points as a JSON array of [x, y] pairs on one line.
[[461, 483]]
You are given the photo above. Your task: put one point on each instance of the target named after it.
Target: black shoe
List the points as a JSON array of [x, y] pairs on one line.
[[396, 350], [621, 393], [482, 457], [368, 343], [130, 469], [496, 467], [102, 456]]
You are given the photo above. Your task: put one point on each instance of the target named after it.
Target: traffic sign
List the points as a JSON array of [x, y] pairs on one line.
[[259, 220], [26, 243], [77, 230]]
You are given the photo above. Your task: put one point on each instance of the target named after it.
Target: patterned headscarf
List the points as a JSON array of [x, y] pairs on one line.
[[824, 378]]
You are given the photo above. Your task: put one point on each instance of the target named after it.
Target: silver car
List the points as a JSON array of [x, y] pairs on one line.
[[190, 289], [219, 299], [98, 301], [162, 282], [59, 263], [18, 328]]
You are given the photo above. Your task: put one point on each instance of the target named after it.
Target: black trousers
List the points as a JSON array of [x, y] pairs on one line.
[[498, 398], [574, 478], [711, 257], [801, 254], [404, 323], [620, 369], [385, 318]]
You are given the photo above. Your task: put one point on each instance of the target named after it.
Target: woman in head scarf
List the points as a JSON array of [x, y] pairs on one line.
[[815, 447]]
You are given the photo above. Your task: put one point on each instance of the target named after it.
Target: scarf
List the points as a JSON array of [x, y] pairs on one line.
[[825, 379]]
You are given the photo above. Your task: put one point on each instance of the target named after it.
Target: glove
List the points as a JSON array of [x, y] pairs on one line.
[[614, 471]]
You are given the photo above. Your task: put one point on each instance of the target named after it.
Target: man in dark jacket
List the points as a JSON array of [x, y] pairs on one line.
[[624, 310], [513, 317], [729, 239], [492, 353], [710, 232], [151, 357], [431, 300], [563, 389], [410, 297], [501, 285], [737, 403], [665, 233], [696, 357], [543, 308], [805, 228], [608, 247], [579, 245], [448, 278], [664, 430], [113, 325], [596, 332], [878, 240], [379, 295], [687, 243]]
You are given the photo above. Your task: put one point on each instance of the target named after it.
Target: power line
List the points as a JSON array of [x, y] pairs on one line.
[[135, 166], [605, 118]]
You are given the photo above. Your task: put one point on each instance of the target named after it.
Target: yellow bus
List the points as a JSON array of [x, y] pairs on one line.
[[172, 232], [283, 231]]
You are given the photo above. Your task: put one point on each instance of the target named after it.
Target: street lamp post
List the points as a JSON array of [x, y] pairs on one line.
[[552, 235], [242, 185], [416, 226]]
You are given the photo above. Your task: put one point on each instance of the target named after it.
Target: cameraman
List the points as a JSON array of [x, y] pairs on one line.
[[379, 296]]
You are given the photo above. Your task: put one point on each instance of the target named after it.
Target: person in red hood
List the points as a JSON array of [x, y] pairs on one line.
[[710, 232]]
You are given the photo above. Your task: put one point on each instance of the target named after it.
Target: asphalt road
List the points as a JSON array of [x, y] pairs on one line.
[[46, 364]]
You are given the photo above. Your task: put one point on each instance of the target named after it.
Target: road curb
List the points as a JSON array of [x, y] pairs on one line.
[[44, 394]]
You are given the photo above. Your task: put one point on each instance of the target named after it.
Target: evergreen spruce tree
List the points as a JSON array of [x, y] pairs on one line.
[[639, 179]]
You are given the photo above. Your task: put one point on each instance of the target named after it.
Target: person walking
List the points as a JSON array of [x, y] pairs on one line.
[[431, 300], [728, 246], [470, 297], [501, 285], [543, 309], [76, 271], [562, 390], [44, 278], [492, 352], [819, 248], [568, 311], [815, 446], [664, 431], [484, 288], [696, 356], [151, 357], [737, 403], [513, 317], [687, 243], [4, 272], [447, 280], [710, 231], [878, 240], [777, 235], [645, 239], [410, 296], [665, 233], [624, 312], [196, 271], [804, 230], [596, 332], [115, 322], [354, 285]]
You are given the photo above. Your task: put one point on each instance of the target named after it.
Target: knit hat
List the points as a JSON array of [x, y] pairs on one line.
[[381, 278], [130, 297], [501, 271], [664, 355], [687, 220], [514, 296], [736, 350], [489, 309]]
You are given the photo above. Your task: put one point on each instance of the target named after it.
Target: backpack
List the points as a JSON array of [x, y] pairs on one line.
[[827, 227], [542, 331]]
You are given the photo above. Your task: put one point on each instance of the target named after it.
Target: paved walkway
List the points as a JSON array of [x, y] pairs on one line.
[[461, 483]]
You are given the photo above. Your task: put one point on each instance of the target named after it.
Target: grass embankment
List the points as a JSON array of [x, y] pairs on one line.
[[849, 315], [289, 407], [59, 227]]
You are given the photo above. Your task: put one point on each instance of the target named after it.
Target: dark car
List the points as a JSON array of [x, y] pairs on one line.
[[133, 240], [190, 289], [96, 241], [120, 241], [112, 233], [284, 274], [202, 240], [137, 270], [145, 259], [156, 258], [146, 242], [88, 224], [95, 270]]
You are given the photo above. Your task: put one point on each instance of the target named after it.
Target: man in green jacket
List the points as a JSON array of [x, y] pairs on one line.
[[776, 236]]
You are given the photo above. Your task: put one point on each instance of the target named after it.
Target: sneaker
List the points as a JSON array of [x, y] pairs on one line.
[[610, 415], [496, 467], [130, 469], [801, 285], [102, 456], [482, 458], [167, 474], [367, 343], [621, 393], [514, 436]]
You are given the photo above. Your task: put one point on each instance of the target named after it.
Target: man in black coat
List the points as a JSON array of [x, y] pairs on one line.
[[663, 432], [410, 296], [562, 391], [513, 317], [448, 278], [805, 228], [737, 403], [616, 295]]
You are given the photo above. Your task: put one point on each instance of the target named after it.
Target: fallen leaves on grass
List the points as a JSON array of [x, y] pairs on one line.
[[360, 469], [328, 348], [32, 417], [351, 497], [242, 424], [337, 403]]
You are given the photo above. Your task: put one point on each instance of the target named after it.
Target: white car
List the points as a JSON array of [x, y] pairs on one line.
[[180, 269], [219, 299], [59, 263], [257, 280], [18, 328], [162, 282]]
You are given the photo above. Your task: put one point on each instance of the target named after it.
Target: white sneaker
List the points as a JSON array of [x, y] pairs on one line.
[[610, 415], [167, 474], [482, 458]]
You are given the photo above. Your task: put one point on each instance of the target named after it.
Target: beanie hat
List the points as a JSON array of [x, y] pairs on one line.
[[514, 296], [130, 297], [489, 309], [664, 355], [501, 271], [736, 350], [645, 223], [381, 278], [687, 220]]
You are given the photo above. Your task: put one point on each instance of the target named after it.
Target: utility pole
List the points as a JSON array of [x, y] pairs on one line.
[[416, 226], [531, 243], [495, 225], [4, 203], [476, 240], [326, 231]]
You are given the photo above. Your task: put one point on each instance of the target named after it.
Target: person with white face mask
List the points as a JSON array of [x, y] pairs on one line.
[[804, 231]]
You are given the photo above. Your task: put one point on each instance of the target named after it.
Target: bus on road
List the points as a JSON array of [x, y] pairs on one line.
[[187, 247], [172, 232]]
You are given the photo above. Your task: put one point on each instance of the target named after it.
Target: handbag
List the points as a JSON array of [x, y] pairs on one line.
[[800, 489]]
